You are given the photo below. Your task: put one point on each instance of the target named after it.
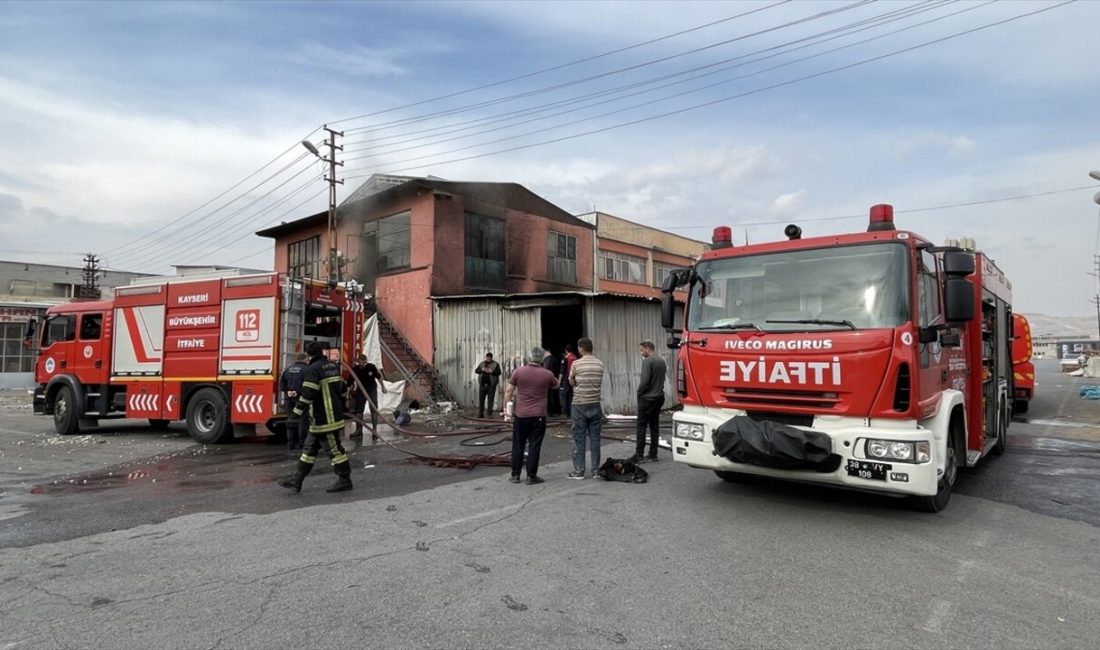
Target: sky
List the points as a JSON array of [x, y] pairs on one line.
[[141, 131]]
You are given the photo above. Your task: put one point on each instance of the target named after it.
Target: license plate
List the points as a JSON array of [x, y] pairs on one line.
[[871, 471]]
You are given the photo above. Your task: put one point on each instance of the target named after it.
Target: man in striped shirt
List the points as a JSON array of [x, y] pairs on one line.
[[586, 377]]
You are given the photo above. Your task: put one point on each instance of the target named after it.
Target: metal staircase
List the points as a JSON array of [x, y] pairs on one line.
[[418, 371]]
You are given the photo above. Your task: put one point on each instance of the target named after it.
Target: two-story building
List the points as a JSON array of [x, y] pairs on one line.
[[459, 269]]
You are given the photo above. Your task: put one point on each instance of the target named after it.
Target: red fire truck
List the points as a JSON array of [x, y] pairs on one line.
[[1023, 370], [206, 351], [871, 360]]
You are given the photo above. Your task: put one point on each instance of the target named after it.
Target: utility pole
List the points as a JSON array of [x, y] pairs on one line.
[[330, 142], [90, 288]]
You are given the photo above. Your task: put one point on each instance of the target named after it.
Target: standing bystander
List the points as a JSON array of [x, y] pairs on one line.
[[586, 376], [553, 364], [566, 390], [488, 378], [371, 378], [530, 383], [290, 385], [651, 397]]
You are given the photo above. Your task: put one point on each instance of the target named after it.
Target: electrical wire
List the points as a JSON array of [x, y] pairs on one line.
[[677, 95], [602, 75], [721, 100], [561, 66], [867, 23]]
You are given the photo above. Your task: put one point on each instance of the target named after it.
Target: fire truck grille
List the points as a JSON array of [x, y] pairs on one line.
[[783, 418], [749, 398]]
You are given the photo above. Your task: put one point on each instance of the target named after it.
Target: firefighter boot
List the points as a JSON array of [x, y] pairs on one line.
[[343, 477], [343, 483], [293, 482]]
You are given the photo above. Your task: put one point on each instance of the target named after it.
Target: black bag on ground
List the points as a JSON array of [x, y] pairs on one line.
[[772, 444], [622, 470]]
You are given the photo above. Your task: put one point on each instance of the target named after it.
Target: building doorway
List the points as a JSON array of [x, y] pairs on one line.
[[560, 325]]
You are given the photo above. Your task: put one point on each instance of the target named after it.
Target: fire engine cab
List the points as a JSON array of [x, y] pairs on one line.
[[1023, 370], [206, 351], [873, 360]]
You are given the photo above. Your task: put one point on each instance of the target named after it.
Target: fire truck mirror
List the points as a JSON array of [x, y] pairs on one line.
[[958, 263], [929, 335], [673, 342], [668, 310], [958, 300], [32, 325], [676, 279]]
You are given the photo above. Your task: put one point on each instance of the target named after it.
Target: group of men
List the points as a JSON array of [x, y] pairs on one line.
[[315, 393], [559, 400], [533, 382]]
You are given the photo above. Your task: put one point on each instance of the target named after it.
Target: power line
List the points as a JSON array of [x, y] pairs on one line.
[[852, 28], [561, 66], [204, 205], [636, 66], [731, 97], [173, 247], [678, 95]]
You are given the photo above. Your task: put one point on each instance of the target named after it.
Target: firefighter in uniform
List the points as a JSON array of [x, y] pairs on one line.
[[322, 401]]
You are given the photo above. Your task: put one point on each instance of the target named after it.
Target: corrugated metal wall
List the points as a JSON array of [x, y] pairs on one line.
[[464, 330], [616, 327]]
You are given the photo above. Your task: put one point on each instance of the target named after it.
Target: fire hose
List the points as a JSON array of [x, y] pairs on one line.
[[461, 461]]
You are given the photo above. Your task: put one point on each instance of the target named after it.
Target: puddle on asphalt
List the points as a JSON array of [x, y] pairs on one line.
[[1059, 423], [199, 469]]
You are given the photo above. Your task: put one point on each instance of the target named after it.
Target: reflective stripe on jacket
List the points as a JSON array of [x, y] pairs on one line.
[[322, 396]]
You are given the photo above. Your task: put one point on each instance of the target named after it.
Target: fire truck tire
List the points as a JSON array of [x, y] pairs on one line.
[[158, 424], [938, 501], [1002, 433], [734, 477], [208, 417], [1019, 406], [66, 421]]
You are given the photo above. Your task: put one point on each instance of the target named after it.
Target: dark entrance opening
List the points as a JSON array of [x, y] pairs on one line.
[[560, 325]]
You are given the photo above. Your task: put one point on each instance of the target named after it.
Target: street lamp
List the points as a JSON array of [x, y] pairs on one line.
[[313, 150]]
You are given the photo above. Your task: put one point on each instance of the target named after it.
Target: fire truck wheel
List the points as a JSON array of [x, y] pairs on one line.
[[208, 417], [1002, 433], [66, 421], [939, 501], [734, 477]]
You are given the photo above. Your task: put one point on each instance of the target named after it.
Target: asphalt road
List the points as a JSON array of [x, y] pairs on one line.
[[212, 554]]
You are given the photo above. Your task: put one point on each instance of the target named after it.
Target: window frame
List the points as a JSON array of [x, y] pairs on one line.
[[479, 258], [381, 237], [619, 264], [561, 269], [99, 326], [298, 258]]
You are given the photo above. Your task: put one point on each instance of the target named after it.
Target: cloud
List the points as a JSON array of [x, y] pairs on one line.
[[789, 203], [931, 141], [355, 60], [10, 206]]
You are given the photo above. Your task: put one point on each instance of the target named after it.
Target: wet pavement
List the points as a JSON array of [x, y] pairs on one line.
[[159, 475]]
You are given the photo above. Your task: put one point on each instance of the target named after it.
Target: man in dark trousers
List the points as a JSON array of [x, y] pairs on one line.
[[290, 384], [566, 390], [322, 402], [371, 377], [553, 364], [488, 378], [651, 397], [531, 383]]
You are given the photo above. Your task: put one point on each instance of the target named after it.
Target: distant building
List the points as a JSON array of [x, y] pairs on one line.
[[27, 290]]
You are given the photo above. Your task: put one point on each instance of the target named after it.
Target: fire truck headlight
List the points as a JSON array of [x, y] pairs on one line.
[[901, 450], [688, 431], [904, 452]]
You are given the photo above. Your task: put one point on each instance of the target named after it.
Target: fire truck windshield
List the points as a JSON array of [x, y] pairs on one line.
[[861, 286]]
